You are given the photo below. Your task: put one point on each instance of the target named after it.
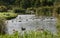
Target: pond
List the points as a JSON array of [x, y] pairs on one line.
[[29, 22]]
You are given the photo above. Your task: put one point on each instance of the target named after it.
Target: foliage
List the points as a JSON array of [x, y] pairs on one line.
[[10, 4], [58, 24], [58, 10], [2, 26], [22, 11], [26, 3], [31, 34], [3, 9], [8, 15]]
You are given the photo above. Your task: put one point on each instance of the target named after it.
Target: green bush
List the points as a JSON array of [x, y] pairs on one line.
[[2, 26], [8, 15], [21, 11], [3, 9]]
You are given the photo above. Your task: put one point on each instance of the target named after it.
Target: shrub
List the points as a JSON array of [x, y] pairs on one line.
[[22, 11], [2, 26], [58, 10], [8, 16], [9, 7], [48, 3], [3, 9]]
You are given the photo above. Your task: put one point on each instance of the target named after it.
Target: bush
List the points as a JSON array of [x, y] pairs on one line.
[[8, 16], [48, 3], [3, 9], [58, 10], [2, 26], [22, 11], [9, 7]]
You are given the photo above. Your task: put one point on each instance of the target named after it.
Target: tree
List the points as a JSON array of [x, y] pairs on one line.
[[37, 3]]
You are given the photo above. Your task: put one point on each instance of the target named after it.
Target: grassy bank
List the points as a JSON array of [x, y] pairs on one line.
[[34, 34], [31, 34], [8, 15]]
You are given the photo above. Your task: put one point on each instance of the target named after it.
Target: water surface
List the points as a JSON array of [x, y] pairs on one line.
[[29, 22]]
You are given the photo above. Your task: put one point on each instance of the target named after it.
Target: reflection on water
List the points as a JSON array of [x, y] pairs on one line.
[[29, 22]]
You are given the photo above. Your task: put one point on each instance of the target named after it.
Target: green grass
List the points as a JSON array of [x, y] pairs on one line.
[[8, 15], [58, 24], [31, 34]]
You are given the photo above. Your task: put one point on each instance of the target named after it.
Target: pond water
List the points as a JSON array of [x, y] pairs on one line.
[[29, 22]]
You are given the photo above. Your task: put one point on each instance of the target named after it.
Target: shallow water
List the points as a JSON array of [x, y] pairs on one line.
[[29, 22]]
